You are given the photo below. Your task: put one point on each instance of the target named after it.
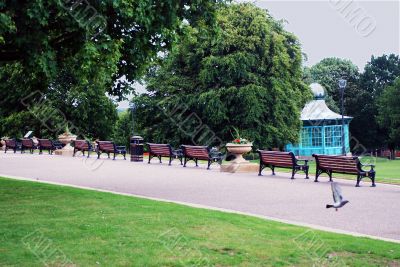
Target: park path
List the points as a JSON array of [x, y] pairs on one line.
[[371, 211]]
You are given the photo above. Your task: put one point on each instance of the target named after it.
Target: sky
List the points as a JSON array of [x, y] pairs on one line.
[[348, 29]]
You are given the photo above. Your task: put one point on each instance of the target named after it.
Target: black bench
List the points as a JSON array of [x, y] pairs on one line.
[[164, 150], [110, 147], [272, 159], [27, 144], [196, 153], [11, 144], [343, 164], [82, 145], [46, 144]]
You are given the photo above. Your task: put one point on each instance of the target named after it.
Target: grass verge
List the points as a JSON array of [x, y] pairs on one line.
[[43, 224]]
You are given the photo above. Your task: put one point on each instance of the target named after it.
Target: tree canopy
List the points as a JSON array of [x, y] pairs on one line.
[[378, 73], [246, 73], [327, 72], [389, 113], [78, 54]]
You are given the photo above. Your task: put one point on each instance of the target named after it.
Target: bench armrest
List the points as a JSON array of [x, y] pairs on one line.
[[120, 147], [368, 165], [305, 161]]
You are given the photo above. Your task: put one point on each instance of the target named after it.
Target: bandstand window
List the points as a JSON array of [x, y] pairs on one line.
[[311, 137], [305, 137], [316, 136], [333, 136]]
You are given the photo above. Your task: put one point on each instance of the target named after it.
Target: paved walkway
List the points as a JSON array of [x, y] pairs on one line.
[[371, 211]]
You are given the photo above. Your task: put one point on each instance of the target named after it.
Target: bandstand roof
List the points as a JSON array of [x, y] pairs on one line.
[[317, 108]]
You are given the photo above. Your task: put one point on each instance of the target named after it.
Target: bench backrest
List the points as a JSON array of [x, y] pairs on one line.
[[11, 143], [160, 149], [82, 144], [277, 158], [338, 163], [27, 143], [45, 143], [199, 152], [106, 146]]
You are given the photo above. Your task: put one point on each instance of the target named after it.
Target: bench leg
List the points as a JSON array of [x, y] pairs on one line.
[[317, 174], [372, 177], [114, 156], [273, 170], [306, 171], [196, 162], [88, 153], [180, 159], [358, 180], [98, 155], [209, 163], [149, 158], [170, 160], [184, 160], [330, 176], [260, 169], [124, 156], [159, 158], [293, 173]]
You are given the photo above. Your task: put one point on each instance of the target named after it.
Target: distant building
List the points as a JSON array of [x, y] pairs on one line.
[[322, 128]]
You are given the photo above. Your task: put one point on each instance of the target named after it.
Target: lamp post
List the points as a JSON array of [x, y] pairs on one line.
[[132, 107], [342, 87]]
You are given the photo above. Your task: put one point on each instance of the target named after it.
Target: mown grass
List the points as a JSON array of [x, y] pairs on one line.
[[43, 224]]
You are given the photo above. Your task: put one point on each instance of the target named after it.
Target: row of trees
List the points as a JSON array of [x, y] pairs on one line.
[[248, 75], [208, 67], [370, 97]]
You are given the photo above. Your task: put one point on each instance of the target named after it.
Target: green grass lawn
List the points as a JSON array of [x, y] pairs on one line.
[[43, 224], [387, 171]]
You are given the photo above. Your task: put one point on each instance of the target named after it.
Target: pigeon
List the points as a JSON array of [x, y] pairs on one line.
[[337, 197]]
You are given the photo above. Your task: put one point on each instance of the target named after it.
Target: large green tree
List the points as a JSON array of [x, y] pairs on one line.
[[246, 73], [87, 50], [389, 113]]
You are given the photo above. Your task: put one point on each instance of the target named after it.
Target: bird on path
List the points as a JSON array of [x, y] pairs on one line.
[[337, 197]]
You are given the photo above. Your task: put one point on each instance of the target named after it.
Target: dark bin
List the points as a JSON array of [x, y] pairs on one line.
[[136, 146]]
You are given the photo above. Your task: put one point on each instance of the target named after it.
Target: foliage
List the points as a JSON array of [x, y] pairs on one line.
[[246, 74], [123, 128], [237, 138], [42, 34], [328, 72], [389, 113], [77, 54], [378, 73]]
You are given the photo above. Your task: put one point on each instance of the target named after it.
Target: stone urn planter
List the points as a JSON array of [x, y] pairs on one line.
[[66, 138], [238, 150], [239, 164], [3, 143]]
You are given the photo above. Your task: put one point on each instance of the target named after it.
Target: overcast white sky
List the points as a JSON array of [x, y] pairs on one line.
[[348, 29]]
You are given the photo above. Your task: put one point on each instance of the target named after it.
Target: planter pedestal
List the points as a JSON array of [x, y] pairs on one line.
[[233, 167], [239, 164]]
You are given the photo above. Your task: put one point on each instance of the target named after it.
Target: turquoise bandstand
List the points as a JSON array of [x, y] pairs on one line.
[[322, 128]]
